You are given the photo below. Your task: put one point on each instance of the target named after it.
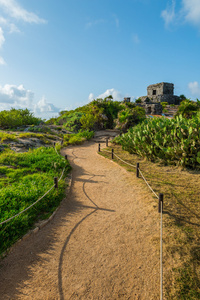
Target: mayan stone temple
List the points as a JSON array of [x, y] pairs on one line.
[[157, 93]]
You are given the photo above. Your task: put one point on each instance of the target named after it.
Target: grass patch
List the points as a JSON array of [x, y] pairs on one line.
[[181, 222], [4, 136], [77, 138], [24, 178]]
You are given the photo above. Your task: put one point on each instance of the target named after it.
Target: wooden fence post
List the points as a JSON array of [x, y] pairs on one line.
[[106, 142], [56, 182], [137, 170], [159, 203]]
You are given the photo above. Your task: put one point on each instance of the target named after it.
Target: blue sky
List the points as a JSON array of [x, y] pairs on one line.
[[57, 55]]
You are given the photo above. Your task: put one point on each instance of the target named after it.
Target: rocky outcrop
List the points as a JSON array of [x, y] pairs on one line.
[[151, 108]]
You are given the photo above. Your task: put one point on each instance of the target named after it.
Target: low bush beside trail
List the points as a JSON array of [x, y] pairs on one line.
[[175, 141], [77, 138]]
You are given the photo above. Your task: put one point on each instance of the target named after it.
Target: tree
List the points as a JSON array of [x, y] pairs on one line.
[[182, 97], [188, 109]]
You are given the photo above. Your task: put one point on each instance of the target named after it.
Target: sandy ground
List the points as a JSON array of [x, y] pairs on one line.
[[103, 243]]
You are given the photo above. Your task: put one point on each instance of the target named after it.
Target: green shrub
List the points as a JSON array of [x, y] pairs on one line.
[[27, 135], [17, 117], [175, 141], [182, 97], [7, 136], [78, 138], [98, 114], [164, 104], [26, 177], [139, 100], [129, 117], [188, 109]]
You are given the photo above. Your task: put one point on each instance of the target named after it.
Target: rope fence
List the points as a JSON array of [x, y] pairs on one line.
[[21, 212], [148, 184], [56, 180], [160, 207]]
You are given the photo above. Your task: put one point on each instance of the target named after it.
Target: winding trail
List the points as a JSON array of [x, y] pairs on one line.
[[103, 242]]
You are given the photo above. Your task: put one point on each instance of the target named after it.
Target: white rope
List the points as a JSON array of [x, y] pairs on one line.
[[134, 167], [124, 161], [161, 254], [148, 184], [120, 158], [106, 150], [33, 203], [56, 150], [61, 174], [27, 207]]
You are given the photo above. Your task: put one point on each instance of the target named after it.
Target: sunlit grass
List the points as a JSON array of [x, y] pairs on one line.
[[24, 177]]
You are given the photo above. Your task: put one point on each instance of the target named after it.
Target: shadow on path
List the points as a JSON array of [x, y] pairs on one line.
[[79, 171]]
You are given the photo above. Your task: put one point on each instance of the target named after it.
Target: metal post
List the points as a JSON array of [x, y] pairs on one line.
[[137, 170], [66, 156], [56, 182], [106, 142], [160, 203], [99, 149], [112, 156]]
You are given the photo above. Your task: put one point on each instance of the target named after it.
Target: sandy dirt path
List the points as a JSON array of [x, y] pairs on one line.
[[103, 243]]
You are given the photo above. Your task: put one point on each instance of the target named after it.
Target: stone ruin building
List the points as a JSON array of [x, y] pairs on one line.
[[127, 99], [157, 93]]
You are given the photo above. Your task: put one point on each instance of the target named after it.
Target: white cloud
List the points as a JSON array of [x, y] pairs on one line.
[[44, 107], [191, 8], [17, 95], [21, 98], [14, 10], [116, 20], [91, 97], [2, 61], [2, 38], [135, 39], [194, 88], [10, 26], [13, 28], [94, 23], [10, 11], [189, 12], [3, 21], [169, 13], [117, 96]]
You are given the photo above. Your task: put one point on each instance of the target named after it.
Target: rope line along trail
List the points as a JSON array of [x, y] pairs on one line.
[[124, 161], [148, 184], [160, 209]]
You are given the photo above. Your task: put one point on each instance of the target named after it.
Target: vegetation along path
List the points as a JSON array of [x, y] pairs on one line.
[[103, 243]]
